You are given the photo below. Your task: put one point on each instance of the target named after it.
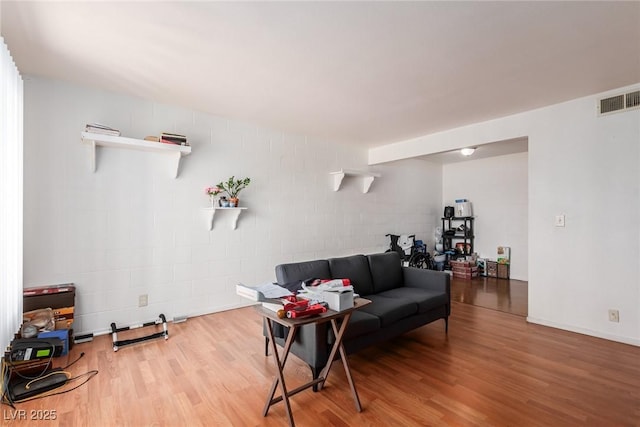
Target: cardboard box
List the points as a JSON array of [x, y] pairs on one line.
[[464, 269], [461, 264], [62, 317], [503, 271], [64, 324], [492, 268], [504, 254], [338, 301], [56, 296], [465, 272], [63, 312], [460, 275], [61, 299]]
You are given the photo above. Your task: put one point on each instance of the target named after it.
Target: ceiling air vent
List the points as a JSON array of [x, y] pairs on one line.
[[618, 103]]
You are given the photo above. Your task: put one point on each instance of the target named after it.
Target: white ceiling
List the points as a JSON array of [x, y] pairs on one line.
[[369, 73], [493, 149]]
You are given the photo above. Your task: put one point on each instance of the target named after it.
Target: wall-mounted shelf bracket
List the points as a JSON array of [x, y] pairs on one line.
[[367, 178], [235, 214], [95, 140]]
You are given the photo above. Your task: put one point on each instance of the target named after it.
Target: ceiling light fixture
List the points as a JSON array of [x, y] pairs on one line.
[[467, 151]]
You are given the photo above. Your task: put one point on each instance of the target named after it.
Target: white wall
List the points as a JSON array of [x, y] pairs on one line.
[[585, 167], [131, 229], [497, 189]]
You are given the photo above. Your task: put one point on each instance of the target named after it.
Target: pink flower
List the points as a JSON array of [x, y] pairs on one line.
[[212, 191]]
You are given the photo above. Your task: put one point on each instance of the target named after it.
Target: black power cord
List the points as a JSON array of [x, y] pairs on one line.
[[89, 375], [6, 395]]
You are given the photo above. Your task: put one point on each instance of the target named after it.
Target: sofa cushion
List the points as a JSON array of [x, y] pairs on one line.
[[287, 273], [386, 271], [361, 323], [390, 310], [427, 299], [354, 268]]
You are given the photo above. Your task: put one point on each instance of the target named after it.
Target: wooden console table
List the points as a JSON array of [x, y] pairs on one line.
[[293, 325]]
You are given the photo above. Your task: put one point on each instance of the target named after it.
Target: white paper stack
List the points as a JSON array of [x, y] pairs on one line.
[[262, 292]]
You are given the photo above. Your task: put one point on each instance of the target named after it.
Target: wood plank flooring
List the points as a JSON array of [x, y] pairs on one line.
[[507, 295], [493, 369]]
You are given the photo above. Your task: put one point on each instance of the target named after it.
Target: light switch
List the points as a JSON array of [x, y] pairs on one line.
[[559, 220]]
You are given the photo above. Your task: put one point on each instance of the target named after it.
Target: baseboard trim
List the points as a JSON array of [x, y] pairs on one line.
[[192, 314], [584, 331]]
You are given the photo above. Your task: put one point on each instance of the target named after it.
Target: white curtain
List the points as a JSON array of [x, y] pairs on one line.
[[10, 197]]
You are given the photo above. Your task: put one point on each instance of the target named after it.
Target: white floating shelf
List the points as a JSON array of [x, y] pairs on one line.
[[235, 212], [97, 140], [367, 178]]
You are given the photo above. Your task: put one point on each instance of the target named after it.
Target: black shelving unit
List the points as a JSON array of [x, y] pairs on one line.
[[466, 236]]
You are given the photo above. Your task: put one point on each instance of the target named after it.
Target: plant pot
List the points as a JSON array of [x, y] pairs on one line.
[[234, 202]]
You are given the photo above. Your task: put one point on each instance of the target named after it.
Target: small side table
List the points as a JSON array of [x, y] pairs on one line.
[[293, 325]]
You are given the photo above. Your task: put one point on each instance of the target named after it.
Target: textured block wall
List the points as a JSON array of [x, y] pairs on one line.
[[131, 229]]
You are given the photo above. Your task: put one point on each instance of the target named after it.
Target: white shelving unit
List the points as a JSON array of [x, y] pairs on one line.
[[235, 212], [95, 140], [367, 178]]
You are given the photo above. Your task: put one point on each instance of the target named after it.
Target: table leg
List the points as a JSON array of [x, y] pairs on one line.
[[336, 345], [285, 354], [280, 368], [347, 370]]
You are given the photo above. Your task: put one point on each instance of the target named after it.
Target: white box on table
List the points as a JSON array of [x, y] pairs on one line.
[[338, 301]]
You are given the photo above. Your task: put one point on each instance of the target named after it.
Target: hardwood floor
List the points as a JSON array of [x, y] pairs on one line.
[[493, 369], [507, 295]]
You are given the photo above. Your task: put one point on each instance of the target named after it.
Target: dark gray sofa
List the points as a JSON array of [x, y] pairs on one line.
[[403, 298]]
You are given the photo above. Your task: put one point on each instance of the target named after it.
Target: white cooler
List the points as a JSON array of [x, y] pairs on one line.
[[463, 209]]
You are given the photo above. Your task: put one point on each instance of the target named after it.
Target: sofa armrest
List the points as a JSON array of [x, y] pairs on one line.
[[427, 279]]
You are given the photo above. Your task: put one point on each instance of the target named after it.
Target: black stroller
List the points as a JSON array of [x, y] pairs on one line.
[[413, 253]]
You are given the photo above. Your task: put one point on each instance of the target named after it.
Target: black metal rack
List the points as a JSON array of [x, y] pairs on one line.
[[451, 234]]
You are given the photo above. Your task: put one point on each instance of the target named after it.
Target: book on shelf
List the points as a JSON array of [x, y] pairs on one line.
[[173, 138], [174, 135], [172, 141], [101, 129]]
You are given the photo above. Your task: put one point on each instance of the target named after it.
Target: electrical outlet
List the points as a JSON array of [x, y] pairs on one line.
[[559, 221], [143, 300], [614, 316]]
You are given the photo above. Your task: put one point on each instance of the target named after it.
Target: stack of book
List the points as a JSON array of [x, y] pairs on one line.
[[264, 292], [101, 129], [173, 138]]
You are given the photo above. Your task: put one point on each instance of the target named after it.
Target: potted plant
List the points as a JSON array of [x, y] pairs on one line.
[[233, 187]]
